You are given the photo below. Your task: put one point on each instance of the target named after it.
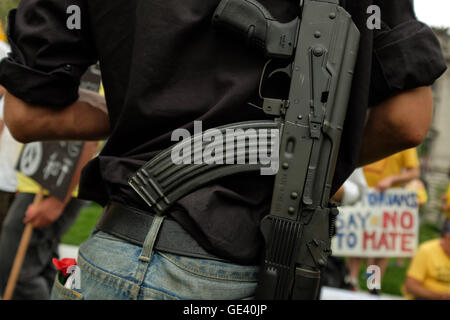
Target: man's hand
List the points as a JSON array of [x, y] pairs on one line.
[[418, 290], [384, 184], [45, 213], [406, 176]]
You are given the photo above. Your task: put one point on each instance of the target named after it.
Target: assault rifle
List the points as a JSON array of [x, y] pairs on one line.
[[320, 50]]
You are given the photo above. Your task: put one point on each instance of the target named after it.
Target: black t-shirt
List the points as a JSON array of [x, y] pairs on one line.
[[164, 66]]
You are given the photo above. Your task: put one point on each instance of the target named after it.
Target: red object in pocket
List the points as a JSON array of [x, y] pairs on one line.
[[63, 264]]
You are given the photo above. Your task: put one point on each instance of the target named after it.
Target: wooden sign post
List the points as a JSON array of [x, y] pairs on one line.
[[20, 256]]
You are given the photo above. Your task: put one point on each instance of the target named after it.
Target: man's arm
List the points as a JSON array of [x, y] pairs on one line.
[[86, 119], [397, 124], [417, 289], [406, 176]]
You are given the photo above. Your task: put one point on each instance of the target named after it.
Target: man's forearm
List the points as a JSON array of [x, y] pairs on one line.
[[416, 289], [83, 120], [399, 123], [406, 176]]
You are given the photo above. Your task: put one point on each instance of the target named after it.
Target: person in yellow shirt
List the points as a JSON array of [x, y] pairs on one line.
[[392, 172], [428, 276], [446, 207], [418, 187], [2, 34]]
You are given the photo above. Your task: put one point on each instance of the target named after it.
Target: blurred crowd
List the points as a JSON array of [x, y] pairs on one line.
[[427, 275]]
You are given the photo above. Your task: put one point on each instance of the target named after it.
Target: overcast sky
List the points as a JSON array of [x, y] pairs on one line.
[[433, 12]]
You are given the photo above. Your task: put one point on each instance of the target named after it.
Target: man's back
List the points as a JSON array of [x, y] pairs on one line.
[[170, 67]]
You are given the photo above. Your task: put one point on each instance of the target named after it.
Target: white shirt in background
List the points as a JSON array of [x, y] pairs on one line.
[[9, 147], [354, 188]]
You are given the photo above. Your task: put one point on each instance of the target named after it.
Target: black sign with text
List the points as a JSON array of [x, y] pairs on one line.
[[51, 164]]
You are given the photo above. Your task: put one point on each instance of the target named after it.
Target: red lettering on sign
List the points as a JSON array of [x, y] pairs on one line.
[[367, 237], [389, 218], [406, 220], [393, 236], [383, 242], [406, 242]]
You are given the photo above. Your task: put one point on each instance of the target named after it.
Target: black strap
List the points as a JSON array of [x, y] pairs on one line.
[[132, 225]]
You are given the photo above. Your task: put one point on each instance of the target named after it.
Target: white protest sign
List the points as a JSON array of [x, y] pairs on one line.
[[381, 225]]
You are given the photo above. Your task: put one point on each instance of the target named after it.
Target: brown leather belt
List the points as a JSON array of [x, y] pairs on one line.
[[132, 225]]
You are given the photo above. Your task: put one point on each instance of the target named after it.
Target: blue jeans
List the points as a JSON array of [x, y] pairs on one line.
[[115, 269]]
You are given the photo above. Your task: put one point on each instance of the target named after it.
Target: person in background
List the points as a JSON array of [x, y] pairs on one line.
[[392, 172], [445, 207], [428, 276], [2, 34], [418, 186], [51, 219], [349, 194], [9, 150]]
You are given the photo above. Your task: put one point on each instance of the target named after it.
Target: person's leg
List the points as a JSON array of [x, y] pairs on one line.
[[383, 264], [6, 198], [400, 262], [354, 267], [12, 230], [37, 273]]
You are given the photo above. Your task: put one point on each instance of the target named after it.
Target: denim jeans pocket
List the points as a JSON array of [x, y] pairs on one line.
[[192, 278], [59, 292], [213, 269]]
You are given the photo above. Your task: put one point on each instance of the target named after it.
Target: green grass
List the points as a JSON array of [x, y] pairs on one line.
[[83, 226]]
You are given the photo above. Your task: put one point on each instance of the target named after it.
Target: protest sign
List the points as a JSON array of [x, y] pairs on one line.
[[381, 225], [51, 164]]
